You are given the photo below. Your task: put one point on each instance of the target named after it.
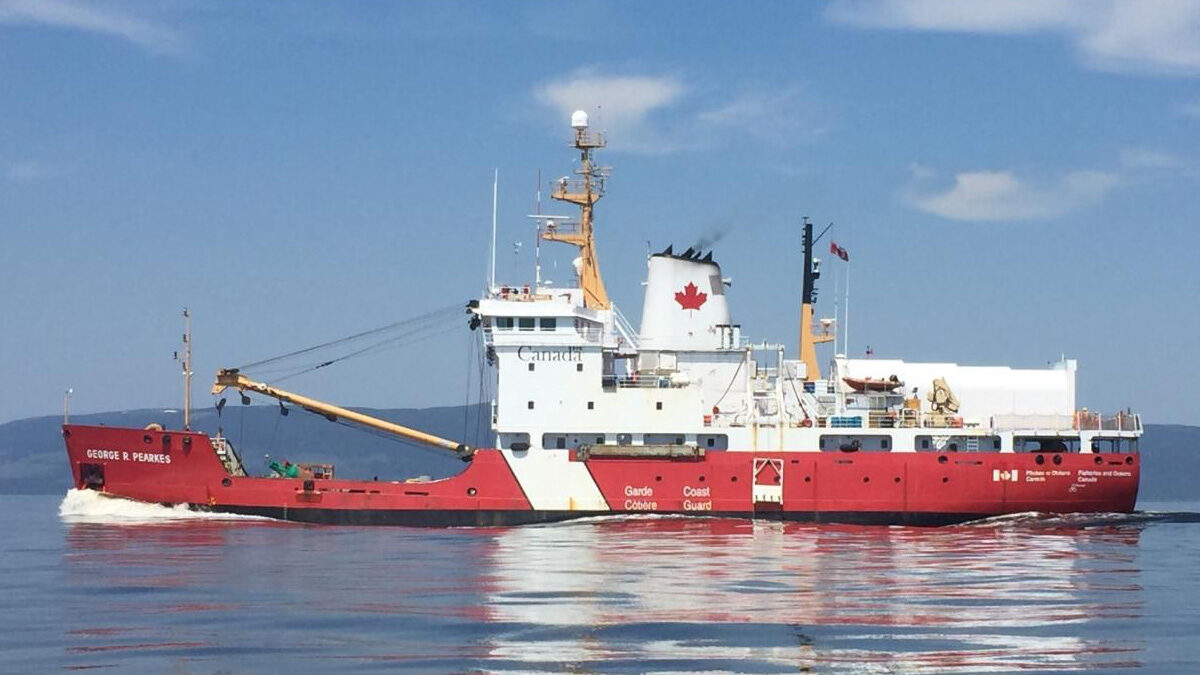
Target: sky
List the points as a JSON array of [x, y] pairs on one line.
[[1014, 181]]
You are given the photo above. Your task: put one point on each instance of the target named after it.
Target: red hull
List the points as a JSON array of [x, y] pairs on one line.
[[174, 467]]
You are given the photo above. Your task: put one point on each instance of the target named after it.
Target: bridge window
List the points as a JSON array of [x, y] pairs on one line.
[[525, 323], [548, 323], [504, 323]]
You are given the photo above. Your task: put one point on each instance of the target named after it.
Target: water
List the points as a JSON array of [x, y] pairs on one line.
[[141, 588]]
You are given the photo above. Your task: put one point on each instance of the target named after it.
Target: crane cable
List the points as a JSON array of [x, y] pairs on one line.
[[410, 337], [436, 314]]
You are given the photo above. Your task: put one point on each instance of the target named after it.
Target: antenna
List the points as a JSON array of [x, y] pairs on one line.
[[846, 317], [495, 199], [67, 405]]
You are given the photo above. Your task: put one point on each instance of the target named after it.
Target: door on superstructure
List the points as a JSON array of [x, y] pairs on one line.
[[768, 484]]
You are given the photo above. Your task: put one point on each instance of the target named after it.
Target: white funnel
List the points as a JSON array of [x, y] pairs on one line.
[[685, 302]]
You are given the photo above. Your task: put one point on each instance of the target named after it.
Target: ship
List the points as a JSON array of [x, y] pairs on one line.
[[683, 416]]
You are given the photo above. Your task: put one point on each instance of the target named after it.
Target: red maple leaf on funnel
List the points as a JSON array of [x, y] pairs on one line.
[[689, 298]]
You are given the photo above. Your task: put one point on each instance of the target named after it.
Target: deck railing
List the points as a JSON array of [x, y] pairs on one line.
[[880, 419]]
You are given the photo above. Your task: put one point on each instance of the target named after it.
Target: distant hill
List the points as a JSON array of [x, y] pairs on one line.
[[35, 462]]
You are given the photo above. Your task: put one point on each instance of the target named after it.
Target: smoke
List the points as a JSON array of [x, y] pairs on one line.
[[714, 235]]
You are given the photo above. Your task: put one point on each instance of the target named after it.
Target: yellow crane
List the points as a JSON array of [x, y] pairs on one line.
[[230, 377]]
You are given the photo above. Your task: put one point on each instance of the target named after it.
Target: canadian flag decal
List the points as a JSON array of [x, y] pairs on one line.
[[1011, 476], [690, 298]]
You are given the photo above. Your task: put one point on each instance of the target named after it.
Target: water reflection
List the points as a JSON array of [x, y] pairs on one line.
[[623, 595], [964, 599]]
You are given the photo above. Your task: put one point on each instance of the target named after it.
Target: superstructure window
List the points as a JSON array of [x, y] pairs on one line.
[[504, 323], [525, 323], [548, 323], [855, 443], [957, 443]]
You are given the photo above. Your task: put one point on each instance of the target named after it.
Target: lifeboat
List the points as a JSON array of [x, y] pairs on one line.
[[872, 384]]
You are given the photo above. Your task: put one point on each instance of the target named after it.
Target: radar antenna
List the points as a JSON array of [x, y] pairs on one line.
[[584, 192]]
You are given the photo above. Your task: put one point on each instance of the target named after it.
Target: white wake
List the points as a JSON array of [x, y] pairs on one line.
[[89, 506]]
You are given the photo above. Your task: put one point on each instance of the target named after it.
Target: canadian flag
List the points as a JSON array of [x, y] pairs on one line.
[[1011, 475], [840, 252]]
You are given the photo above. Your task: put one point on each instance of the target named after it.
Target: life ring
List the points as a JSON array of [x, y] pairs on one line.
[[806, 422]]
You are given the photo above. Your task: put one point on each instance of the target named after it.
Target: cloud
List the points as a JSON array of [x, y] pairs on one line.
[[623, 105], [774, 115], [1161, 37], [26, 172], [661, 114], [91, 17], [1144, 158], [985, 196]]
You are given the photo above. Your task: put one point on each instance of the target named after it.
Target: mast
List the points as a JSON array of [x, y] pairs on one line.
[[584, 193], [187, 370], [808, 297]]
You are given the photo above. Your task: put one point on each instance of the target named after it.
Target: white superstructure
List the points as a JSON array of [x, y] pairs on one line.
[[570, 373]]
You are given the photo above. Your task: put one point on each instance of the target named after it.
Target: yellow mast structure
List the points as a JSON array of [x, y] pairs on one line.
[[584, 193], [230, 377], [808, 339]]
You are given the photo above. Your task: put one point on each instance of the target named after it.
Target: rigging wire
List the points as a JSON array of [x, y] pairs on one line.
[[484, 392], [467, 391], [735, 376], [437, 313], [408, 338]]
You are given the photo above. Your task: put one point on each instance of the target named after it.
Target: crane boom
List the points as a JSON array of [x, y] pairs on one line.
[[230, 377]]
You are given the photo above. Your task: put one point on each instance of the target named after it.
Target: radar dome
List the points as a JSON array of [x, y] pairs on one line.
[[579, 120]]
